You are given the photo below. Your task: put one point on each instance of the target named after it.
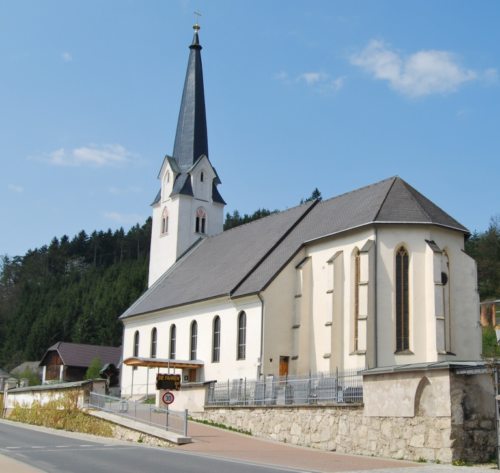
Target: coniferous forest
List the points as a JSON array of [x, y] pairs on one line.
[[72, 290], [75, 289]]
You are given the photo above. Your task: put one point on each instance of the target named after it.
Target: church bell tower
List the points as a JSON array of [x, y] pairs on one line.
[[188, 206]]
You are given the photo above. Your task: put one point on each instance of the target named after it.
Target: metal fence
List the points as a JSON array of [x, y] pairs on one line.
[[168, 419], [322, 388]]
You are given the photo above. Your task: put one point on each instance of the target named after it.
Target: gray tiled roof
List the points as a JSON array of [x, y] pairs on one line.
[[79, 354], [217, 264], [245, 259]]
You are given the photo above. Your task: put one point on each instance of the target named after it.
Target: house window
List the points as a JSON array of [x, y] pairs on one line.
[[216, 340], [201, 221], [164, 221], [402, 301], [242, 335], [194, 339], [136, 343], [356, 297], [202, 176], [154, 335], [173, 331]]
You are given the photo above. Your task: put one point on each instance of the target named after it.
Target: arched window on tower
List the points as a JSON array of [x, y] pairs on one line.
[[402, 301], [173, 335], [202, 176], [242, 335], [216, 340], [194, 340], [201, 221], [164, 221], [154, 336]]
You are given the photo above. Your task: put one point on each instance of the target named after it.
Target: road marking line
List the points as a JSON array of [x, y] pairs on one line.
[[12, 448], [37, 447]]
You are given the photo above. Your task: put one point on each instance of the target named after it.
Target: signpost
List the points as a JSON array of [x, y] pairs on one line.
[[168, 398]]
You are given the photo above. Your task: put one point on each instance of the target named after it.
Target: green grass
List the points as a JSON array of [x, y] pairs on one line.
[[221, 426]]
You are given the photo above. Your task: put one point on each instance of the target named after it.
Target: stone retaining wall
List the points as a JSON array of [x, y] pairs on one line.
[[414, 414], [344, 430]]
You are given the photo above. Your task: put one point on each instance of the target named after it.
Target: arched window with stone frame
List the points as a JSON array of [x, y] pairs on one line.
[[173, 336], [216, 340], [136, 343], [242, 335], [164, 221], [356, 266], [201, 221], [402, 300], [154, 340], [194, 340]]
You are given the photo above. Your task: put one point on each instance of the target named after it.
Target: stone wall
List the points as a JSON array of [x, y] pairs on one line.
[[344, 430], [441, 417], [473, 416]]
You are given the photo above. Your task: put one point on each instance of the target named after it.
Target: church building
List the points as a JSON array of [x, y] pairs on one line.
[[376, 277]]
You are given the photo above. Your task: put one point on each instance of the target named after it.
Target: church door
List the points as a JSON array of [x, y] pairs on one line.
[[284, 366]]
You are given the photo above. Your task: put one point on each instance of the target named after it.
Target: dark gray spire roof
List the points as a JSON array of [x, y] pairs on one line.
[[191, 139], [245, 259]]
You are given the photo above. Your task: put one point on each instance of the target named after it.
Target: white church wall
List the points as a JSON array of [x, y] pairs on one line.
[[465, 330], [412, 237], [280, 316], [325, 336], [182, 317], [466, 339]]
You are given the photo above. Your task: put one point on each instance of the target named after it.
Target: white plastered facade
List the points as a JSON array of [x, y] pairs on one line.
[[306, 314], [171, 240]]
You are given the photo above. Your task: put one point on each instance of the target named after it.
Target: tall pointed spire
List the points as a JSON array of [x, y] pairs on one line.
[[191, 139]]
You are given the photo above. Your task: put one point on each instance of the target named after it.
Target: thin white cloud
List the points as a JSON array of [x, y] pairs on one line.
[[311, 78], [321, 81], [15, 188], [422, 73], [66, 56], [123, 218], [91, 155]]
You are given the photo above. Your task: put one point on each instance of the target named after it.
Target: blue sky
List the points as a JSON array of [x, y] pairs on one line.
[[300, 94]]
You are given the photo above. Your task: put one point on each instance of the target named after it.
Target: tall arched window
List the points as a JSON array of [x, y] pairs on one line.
[[216, 340], [136, 343], [154, 335], [242, 335], [357, 271], [201, 221], [194, 340], [164, 221], [173, 334], [402, 301]]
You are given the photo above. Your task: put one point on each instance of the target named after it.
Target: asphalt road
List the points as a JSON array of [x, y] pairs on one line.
[[53, 453]]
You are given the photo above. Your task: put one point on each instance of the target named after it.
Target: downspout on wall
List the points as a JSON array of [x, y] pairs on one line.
[[375, 305], [261, 359]]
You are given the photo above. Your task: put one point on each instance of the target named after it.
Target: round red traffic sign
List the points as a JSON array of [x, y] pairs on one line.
[[168, 398]]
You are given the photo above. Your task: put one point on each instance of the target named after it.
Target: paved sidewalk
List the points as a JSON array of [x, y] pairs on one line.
[[226, 444]]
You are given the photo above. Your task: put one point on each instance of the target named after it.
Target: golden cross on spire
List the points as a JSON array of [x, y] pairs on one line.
[[196, 26]]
